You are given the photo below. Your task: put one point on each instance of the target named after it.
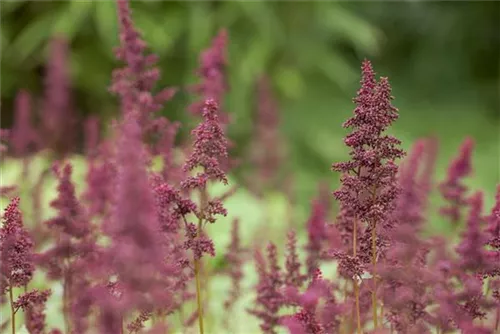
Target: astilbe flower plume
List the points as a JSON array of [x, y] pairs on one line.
[[210, 146], [213, 82], [267, 150], [16, 249], [23, 137], [369, 188], [317, 231], [134, 82], [453, 189], [33, 305], [269, 295], [135, 245], [474, 258], [293, 275], [234, 258], [493, 235], [58, 119]]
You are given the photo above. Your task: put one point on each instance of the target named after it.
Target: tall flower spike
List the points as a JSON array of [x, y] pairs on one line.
[[293, 275], [369, 188], [58, 118], [135, 246], [267, 146], [235, 262], [473, 256], [369, 178], [23, 136], [317, 232], [213, 84], [210, 147], [269, 297], [494, 222], [16, 249], [452, 189], [134, 82]]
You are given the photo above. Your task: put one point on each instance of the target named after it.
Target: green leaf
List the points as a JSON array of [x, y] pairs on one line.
[[71, 18], [106, 24], [343, 23], [267, 23], [200, 27], [7, 7], [160, 32], [253, 61], [31, 38], [4, 38], [289, 81]]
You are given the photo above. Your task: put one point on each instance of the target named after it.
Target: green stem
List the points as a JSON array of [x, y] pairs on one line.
[[198, 284], [12, 310]]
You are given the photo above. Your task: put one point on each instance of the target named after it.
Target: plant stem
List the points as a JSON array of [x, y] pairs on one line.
[[374, 263], [12, 310], [198, 283], [355, 282], [198, 294]]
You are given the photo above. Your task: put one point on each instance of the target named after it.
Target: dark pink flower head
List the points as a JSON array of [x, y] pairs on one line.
[[410, 202], [473, 255], [368, 180], [493, 228], [16, 249], [23, 137], [269, 290], [92, 136], [213, 84], [58, 119], [135, 253], [210, 147], [33, 305], [293, 275], [317, 232], [71, 218], [234, 258], [135, 82], [267, 145], [452, 189]]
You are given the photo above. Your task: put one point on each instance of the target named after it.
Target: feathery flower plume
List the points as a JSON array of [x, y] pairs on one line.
[[269, 296], [368, 180], [293, 276], [210, 146], [474, 258], [33, 305], [58, 118], [134, 82], [267, 151], [452, 189], [235, 262], [135, 246], [317, 232], [16, 255], [23, 136], [16, 249], [213, 84]]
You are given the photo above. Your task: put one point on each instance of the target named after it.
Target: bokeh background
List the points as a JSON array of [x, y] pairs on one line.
[[442, 59]]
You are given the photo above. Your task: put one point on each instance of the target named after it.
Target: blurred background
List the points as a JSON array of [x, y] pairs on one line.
[[442, 59]]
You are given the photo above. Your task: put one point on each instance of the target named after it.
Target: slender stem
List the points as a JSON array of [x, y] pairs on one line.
[[198, 294], [355, 282], [198, 280], [374, 263], [12, 310]]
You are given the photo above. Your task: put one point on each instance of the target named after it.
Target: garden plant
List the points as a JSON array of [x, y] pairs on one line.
[[128, 245]]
